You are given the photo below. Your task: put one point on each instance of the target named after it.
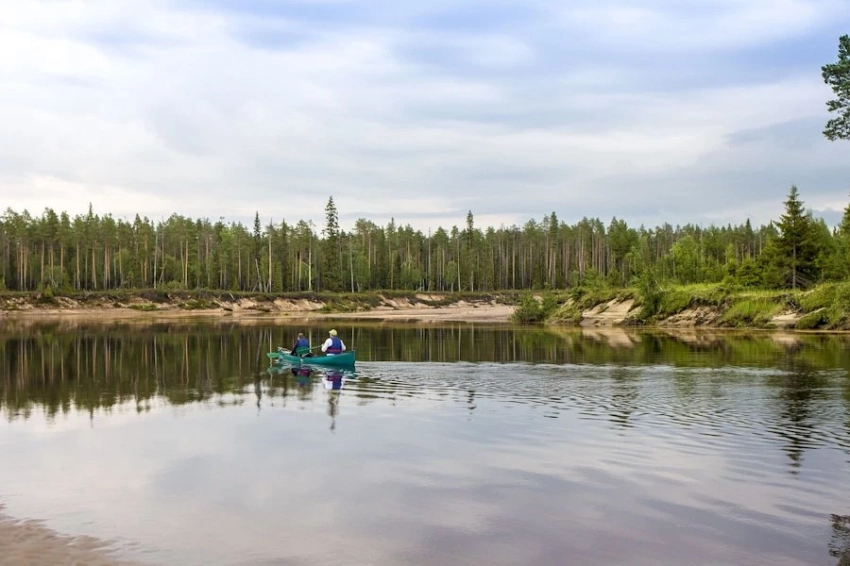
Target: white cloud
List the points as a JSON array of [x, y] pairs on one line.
[[39, 192], [146, 108], [714, 25]]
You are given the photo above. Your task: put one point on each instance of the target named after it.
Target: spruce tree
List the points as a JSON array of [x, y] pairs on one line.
[[796, 247]]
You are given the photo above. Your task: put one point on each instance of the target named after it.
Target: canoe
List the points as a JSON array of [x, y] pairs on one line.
[[345, 359]]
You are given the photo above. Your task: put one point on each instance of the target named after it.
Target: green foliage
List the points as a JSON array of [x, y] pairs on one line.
[[649, 293], [838, 312], [686, 258], [91, 253], [817, 298], [837, 76], [46, 298], [797, 244], [155, 295], [531, 310], [754, 311], [341, 304], [198, 304], [747, 274], [813, 320], [674, 301], [831, 302], [331, 273], [594, 290], [143, 307]]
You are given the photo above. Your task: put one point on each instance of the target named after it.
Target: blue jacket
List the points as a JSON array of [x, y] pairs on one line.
[[336, 345], [302, 346]]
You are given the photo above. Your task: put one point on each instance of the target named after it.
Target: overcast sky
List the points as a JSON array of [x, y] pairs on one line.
[[647, 110]]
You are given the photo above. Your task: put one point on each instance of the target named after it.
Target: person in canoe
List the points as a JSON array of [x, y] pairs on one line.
[[333, 345], [301, 346]]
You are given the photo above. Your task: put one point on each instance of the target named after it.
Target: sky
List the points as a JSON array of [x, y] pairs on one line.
[[651, 111]]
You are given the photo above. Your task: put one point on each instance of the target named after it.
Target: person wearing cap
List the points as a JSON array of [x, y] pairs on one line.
[[333, 345]]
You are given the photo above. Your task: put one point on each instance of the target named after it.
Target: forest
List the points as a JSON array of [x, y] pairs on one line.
[[57, 253]]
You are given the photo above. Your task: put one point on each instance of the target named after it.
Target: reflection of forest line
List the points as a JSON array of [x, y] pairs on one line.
[[839, 545], [93, 366]]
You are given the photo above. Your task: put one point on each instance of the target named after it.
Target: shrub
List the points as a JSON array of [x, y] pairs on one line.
[[673, 302], [155, 295], [820, 297], [531, 311], [756, 311], [198, 304], [812, 320], [838, 312], [649, 293]]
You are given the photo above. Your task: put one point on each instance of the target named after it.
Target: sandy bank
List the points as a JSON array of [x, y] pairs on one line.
[[460, 312], [281, 309], [29, 543]]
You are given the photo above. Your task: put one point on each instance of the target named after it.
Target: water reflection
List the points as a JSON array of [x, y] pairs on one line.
[[331, 380], [624, 396], [496, 451], [839, 545], [799, 393], [92, 367]]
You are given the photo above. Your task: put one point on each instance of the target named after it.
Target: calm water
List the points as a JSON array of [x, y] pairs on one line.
[[448, 445]]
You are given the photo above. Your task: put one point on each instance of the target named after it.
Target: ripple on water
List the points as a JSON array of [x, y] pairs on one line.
[[481, 463]]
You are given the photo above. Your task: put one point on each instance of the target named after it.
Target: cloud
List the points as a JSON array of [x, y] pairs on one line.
[[722, 25], [655, 111]]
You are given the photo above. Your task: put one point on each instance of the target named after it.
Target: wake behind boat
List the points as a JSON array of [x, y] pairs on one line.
[[345, 359]]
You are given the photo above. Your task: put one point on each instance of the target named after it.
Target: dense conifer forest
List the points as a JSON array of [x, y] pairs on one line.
[[90, 252]]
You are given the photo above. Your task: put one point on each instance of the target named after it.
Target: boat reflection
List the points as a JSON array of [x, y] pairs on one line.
[[303, 376], [334, 380]]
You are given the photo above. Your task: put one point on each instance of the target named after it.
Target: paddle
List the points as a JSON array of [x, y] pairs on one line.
[[287, 351]]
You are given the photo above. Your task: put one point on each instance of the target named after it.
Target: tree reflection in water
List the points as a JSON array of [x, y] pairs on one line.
[[839, 546]]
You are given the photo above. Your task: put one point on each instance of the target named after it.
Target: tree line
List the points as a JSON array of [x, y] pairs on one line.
[[92, 252]]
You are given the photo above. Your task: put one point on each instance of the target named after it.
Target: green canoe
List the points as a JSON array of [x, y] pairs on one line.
[[345, 359]]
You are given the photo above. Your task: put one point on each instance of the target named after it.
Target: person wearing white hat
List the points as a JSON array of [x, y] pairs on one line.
[[333, 345]]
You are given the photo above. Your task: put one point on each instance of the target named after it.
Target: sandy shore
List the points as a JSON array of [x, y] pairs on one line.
[[461, 312], [458, 312], [29, 543]]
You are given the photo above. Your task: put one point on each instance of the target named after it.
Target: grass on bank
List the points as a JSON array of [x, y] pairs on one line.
[[826, 306], [751, 312]]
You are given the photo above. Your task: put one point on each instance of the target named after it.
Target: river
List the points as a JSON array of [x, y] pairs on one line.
[[177, 443]]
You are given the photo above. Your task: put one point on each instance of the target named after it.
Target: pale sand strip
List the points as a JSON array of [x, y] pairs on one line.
[[29, 543], [461, 312]]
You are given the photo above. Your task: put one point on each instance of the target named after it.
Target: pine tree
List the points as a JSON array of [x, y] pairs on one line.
[[331, 275], [837, 76]]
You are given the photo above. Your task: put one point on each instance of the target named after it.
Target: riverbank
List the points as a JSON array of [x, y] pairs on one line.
[[399, 307], [824, 307]]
